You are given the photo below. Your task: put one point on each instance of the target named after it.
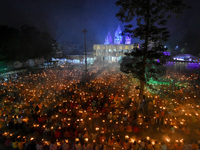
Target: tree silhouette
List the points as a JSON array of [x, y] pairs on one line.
[[24, 43], [151, 17]]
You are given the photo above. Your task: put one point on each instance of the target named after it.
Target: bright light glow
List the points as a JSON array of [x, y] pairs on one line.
[[118, 36], [127, 39]]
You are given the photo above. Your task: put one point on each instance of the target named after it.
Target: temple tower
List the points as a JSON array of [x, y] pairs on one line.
[[128, 39], [108, 39], [118, 36]]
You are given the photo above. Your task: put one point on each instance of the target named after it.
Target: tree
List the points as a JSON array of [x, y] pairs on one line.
[[24, 43], [151, 17], [34, 43], [9, 43]]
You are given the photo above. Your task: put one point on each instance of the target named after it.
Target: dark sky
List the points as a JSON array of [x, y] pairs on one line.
[[65, 20]]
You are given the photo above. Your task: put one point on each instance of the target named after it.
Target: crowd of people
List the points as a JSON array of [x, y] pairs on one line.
[[59, 109]]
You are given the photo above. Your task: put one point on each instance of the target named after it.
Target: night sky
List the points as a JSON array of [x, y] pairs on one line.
[[65, 20]]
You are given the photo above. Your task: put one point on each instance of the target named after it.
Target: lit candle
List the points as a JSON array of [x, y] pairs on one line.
[[32, 138], [86, 139], [132, 140], [97, 128], [126, 137], [147, 138]]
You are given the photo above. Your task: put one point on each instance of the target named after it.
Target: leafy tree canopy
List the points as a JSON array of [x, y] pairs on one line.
[[151, 17], [24, 43]]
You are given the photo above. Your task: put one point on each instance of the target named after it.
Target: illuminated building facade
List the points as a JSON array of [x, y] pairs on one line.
[[184, 62], [113, 52], [186, 57]]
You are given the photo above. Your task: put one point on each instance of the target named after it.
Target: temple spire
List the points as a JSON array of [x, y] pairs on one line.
[[128, 39], [118, 36], [108, 39]]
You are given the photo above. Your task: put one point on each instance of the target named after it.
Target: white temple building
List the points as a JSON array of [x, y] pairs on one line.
[[113, 52]]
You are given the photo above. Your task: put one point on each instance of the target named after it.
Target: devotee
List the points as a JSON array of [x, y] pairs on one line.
[[54, 105]]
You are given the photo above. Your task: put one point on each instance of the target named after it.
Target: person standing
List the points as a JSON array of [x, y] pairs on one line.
[[163, 146], [15, 144], [53, 146]]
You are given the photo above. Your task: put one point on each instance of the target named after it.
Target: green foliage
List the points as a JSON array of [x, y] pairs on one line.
[[24, 43], [132, 63]]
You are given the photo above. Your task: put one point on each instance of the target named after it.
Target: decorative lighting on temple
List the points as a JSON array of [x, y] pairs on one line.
[[108, 39], [118, 36], [118, 39], [128, 39], [167, 53]]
